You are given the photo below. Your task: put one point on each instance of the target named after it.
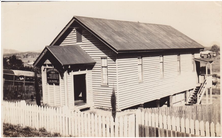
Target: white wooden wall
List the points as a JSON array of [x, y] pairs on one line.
[[63, 94], [96, 50], [132, 92]]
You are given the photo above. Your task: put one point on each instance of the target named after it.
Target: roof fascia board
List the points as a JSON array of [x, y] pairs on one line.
[[62, 32], [155, 50], [40, 56]]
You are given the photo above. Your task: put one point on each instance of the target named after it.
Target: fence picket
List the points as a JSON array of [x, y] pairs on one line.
[[116, 127], [99, 126], [187, 129], [218, 129], [107, 126], [202, 133], [88, 124], [103, 126], [212, 130], [207, 129], [121, 126], [197, 129]]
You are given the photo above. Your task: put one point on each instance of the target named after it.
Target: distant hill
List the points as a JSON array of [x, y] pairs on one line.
[[26, 57], [10, 51]]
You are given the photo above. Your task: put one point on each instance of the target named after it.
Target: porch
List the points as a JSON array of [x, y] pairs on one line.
[[204, 82], [66, 77]]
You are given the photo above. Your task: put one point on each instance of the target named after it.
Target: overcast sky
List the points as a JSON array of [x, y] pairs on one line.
[[30, 26]]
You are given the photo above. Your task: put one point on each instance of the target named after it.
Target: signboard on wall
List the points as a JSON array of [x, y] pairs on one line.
[[52, 76]]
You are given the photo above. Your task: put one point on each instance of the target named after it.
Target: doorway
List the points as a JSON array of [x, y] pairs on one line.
[[198, 70], [79, 89]]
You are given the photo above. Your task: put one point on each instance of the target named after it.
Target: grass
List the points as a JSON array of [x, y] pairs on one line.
[[18, 131]]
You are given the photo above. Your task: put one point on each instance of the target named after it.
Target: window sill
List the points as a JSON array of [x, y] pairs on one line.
[[104, 85]]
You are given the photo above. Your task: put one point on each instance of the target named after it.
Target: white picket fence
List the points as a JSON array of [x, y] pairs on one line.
[[153, 123], [67, 122], [165, 122]]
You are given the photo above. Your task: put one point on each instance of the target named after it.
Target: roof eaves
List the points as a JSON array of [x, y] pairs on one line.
[[39, 57], [81, 63], [152, 50]]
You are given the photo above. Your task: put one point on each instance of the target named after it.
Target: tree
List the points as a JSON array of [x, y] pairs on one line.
[[12, 62], [215, 49], [37, 89], [113, 104], [5, 63]]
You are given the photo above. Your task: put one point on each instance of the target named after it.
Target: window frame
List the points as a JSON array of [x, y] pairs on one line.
[[178, 63], [193, 63], [78, 35], [140, 67], [104, 83], [161, 66]]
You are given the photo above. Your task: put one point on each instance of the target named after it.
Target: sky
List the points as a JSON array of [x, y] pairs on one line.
[[30, 26]]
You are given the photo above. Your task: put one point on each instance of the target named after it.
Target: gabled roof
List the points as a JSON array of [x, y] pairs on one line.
[[123, 36], [66, 55]]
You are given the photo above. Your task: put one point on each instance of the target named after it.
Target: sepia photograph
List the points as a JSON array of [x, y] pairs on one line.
[[111, 69]]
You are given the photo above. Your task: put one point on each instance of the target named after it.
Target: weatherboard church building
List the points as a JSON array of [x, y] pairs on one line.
[[144, 63]]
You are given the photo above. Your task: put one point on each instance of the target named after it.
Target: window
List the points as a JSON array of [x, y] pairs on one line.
[[193, 62], [140, 69], [104, 71], [178, 64], [161, 67], [78, 35]]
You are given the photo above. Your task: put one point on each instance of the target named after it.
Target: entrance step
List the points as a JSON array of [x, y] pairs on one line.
[[83, 107]]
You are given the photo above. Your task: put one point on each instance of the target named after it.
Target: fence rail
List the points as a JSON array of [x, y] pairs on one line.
[[199, 120]]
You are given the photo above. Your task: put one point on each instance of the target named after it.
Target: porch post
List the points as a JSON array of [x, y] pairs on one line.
[[210, 95], [207, 99], [206, 71], [65, 84], [211, 72]]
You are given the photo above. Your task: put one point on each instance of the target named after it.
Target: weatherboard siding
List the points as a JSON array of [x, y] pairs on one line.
[[96, 49], [132, 92], [53, 95]]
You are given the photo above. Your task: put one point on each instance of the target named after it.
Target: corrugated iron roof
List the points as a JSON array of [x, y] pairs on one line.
[[206, 60], [70, 55], [127, 36], [18, 72]]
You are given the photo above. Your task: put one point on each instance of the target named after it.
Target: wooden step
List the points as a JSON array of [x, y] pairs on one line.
[[83, 107]]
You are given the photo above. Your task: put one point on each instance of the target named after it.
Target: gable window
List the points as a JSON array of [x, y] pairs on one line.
[[193, 62], [161, 67], [140, 69], [78, 35], [104, 71], [178, 64]]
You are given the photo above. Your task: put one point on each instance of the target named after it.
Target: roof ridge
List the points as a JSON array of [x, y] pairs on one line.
[[120, 20]]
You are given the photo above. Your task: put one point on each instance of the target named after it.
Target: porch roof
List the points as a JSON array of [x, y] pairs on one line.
[[205, 60], [66, 55]]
